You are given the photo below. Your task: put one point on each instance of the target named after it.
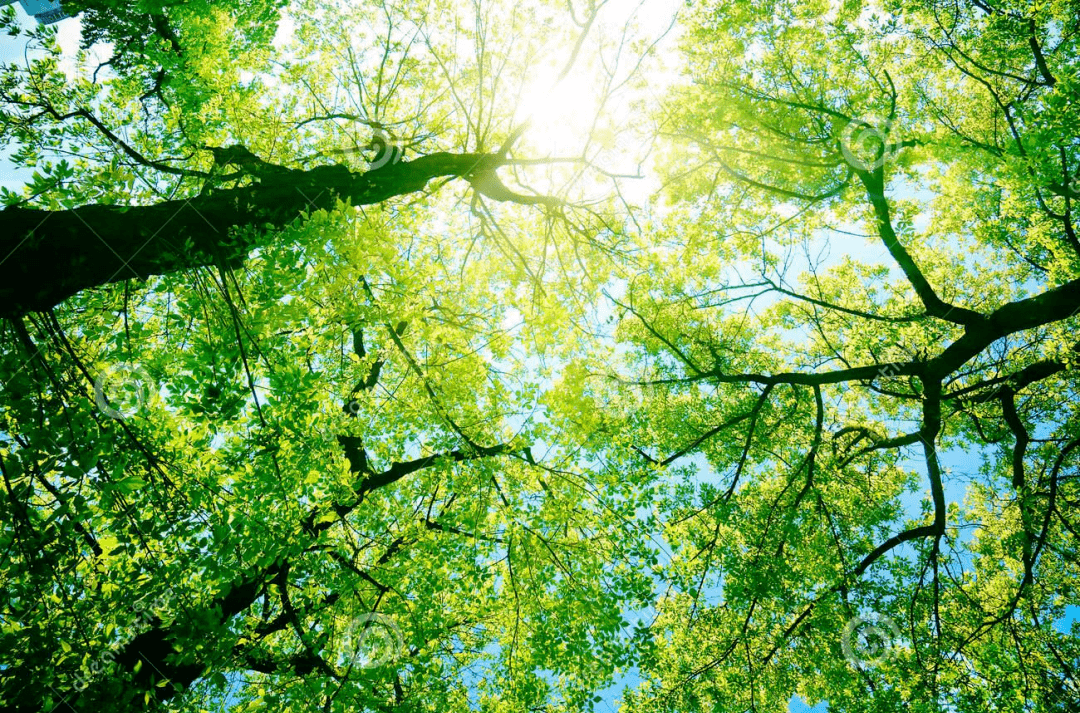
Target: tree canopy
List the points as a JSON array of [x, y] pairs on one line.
[[395, 356]]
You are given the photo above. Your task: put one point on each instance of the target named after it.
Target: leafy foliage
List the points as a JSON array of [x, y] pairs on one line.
[[354, 388]]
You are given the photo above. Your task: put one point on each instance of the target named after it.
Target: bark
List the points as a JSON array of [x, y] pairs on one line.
[[48, 256]]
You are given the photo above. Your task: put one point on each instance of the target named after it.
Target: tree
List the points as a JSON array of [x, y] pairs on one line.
[[264, 436], [826, 395], [333, 382]]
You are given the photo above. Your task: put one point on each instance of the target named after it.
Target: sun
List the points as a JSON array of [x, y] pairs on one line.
[[560, 112], [591, 106]]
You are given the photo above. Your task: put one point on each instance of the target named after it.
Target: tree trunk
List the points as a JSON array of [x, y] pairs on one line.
[[48, 256]]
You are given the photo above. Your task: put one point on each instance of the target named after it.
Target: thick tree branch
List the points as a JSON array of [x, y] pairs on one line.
[[839, 376], [1030, 374], [1020, 432], [1051, 306], [875, 187], [51, 255]]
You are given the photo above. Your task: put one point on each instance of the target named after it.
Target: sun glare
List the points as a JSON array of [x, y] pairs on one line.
[[592, 110], [560, 112]]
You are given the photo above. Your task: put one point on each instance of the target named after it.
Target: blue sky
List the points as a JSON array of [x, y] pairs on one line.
[[13, 49]]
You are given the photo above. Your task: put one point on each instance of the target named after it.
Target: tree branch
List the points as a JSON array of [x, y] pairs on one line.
[[52, 255]]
